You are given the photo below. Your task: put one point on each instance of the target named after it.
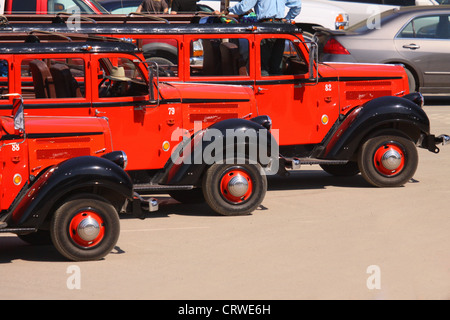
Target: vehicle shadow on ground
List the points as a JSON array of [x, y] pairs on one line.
[[169, 206], [12, 248], [297, 180], [437, 100], [314, 179]]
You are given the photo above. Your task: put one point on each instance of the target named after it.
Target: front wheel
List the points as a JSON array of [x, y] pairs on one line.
[[85, 228], [232, 189], [388, 160]]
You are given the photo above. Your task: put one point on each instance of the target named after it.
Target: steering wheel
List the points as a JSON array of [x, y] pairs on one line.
[[107, 82]]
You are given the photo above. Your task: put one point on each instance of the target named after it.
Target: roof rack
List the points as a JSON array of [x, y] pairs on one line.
[[36, 35], [42, 42], [181, 18]]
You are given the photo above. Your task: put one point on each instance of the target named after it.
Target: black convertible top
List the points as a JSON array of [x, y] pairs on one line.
[[66, 47]]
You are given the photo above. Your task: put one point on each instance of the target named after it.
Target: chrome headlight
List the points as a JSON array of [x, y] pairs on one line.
[[118, 157], [264, 121], [416, 97]]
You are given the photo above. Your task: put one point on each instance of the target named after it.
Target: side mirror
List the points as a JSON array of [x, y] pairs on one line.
[[314, 62], [17, 112], [153, 69]]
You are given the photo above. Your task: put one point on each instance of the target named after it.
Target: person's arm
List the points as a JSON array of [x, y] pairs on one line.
[[295, 8], [243, 7], [175, 7], [165, 7], [139, 9]]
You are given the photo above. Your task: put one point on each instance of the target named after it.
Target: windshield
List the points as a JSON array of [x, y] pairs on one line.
[[99, 6], [370, 23], [74, 6]]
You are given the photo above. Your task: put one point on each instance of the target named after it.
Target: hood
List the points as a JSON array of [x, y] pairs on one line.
[[363, 70], [57, 125], [210, 103], [360, 83]]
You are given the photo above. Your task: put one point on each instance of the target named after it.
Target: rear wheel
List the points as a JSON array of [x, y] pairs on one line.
[[232, 189], [85, 228], [388, 160]]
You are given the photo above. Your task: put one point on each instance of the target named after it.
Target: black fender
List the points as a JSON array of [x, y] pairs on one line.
[[388, 112], [231, 137], [82, 174]]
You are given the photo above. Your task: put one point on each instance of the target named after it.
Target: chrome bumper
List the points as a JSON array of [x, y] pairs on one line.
[[430, 142]]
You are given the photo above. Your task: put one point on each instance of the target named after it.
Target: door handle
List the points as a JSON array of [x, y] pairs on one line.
[[411, 46], [261, 90], [98, 113]]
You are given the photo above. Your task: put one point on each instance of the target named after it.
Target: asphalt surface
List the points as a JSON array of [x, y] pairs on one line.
[[315, 237]]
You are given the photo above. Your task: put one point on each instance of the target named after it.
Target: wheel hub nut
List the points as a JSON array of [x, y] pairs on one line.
[[391, 159], [88, 229], [238, 186]]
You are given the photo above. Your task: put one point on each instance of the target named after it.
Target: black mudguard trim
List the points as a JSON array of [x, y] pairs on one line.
[[361, 121], [64, 178], [191, 173]]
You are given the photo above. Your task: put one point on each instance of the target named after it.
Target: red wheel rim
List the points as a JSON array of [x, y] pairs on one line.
[[236, 186], [389, 159], [87, 229]]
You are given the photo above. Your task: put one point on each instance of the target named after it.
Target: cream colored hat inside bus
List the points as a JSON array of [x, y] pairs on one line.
[[118, 74]]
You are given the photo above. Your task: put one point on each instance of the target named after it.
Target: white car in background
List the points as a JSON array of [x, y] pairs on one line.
[[359, 10], [314, 13]]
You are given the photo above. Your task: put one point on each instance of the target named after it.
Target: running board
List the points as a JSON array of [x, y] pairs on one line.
[[296, 163], [148, 187], [17, 230]]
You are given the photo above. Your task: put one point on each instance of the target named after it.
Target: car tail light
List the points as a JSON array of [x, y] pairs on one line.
[[334, 47]]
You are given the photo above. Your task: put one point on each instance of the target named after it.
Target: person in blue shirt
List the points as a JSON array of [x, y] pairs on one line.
[[268, 10], [272, 11]]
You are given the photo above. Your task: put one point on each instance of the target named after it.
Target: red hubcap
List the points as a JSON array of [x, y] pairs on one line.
[[87, 229], [236, 186], [389, 159]]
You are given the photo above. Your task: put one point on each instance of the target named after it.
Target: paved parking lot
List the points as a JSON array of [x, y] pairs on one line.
[[315, 237]]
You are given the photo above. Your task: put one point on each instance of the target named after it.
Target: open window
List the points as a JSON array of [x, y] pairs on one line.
[[51, 78], [281, 57], [120, 77], [219, 57], [164, 52]]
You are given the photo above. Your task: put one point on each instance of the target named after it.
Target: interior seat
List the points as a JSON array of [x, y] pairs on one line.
[[232, 64], [44, 86], [66, 86], [212, 65]]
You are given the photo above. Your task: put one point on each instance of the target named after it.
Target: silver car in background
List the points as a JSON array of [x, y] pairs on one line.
[[417, 37]]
